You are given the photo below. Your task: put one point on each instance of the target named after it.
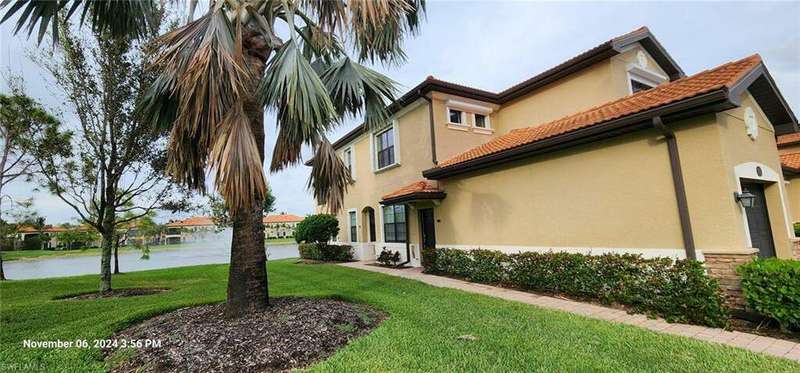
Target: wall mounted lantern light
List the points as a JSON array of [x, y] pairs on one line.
[[746, 199]]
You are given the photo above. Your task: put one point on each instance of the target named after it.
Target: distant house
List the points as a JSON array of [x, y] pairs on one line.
[[281, 225], [195, 228], [49, 236]]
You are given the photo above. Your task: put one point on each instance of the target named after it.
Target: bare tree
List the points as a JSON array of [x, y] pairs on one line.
[[117, 165]]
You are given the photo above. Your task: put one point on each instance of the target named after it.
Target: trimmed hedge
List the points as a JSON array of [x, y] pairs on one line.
[[678, 291], [326, 252], [772, 288]]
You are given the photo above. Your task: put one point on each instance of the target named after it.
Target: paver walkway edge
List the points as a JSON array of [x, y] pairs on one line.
[[756, 343]]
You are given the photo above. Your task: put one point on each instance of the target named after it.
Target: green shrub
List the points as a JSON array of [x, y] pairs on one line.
[[318, 228], [325, 252], [797, 229], [679, 291], [389, 258], [772, 288]]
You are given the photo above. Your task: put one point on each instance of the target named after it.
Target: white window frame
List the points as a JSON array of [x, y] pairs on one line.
[[350, 149], [647, 77], [355, 213], [374, 147], [488, 129], [463, 125]]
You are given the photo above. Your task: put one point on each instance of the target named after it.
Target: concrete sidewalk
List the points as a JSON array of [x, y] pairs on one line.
[[752, 342]]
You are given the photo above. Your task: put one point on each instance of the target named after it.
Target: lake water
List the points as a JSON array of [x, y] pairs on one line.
[[214, 252]]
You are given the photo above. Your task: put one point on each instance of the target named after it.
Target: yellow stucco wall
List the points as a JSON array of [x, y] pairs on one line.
[[591, 196], [739, 149], [599, 196], [414, 156], [793, 185], [793, 194], [603, 82]]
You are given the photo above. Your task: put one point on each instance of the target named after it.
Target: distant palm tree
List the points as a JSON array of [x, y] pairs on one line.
[[217, 75]]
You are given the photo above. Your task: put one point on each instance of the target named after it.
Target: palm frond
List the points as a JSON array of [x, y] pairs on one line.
[[202, 68], [159, 103], [121, 18], [329, 176], [379, 27], [354, 87], [290, 83], [331, 14], [289, 144], [236, 162]]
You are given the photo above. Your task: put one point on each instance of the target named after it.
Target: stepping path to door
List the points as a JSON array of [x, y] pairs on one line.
[[752, 342]]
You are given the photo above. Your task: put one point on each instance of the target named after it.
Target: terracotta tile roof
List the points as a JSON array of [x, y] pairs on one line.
[[791, 161], [790, 139], [422, 186], [194, 221], [282, 218], [710, 80], [52, 229]]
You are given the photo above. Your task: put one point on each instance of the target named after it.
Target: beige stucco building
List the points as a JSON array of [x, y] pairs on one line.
[[614, 150], [281, 225]]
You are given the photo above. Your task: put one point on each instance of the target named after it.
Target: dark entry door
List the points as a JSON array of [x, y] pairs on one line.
[[758, 221], [427, 228]]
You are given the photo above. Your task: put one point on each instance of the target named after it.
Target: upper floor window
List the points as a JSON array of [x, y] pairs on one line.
[[455, 116], [384, 147], [347, 156], [481, 121], [642, 79], [637, 86]]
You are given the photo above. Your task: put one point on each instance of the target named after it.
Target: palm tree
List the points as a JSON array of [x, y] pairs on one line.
[[216, 76]]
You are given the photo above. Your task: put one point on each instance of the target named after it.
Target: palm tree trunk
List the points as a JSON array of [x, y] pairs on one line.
[[247, 274]]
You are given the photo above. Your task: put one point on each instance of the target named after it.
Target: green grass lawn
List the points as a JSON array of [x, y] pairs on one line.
[[420, 334], [37, 254], [278, 241]]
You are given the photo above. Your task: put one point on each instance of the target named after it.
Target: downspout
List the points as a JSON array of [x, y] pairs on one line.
[[680, 188], [433, 132]]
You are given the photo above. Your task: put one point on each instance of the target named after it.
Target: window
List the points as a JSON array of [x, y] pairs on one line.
[[637, 86], [394, 223], [385, 148], [481, 121], [348, 161], [353, 226], [455, 116]]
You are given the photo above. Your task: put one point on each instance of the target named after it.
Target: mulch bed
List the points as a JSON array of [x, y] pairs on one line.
[[115, 293], [291, 334], [765, 327]]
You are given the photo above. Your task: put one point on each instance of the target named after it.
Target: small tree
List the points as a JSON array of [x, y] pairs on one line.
[[69, 237], [317, 228], [117, 165]]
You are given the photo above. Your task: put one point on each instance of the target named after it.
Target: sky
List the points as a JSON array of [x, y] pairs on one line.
[[494, 45]]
